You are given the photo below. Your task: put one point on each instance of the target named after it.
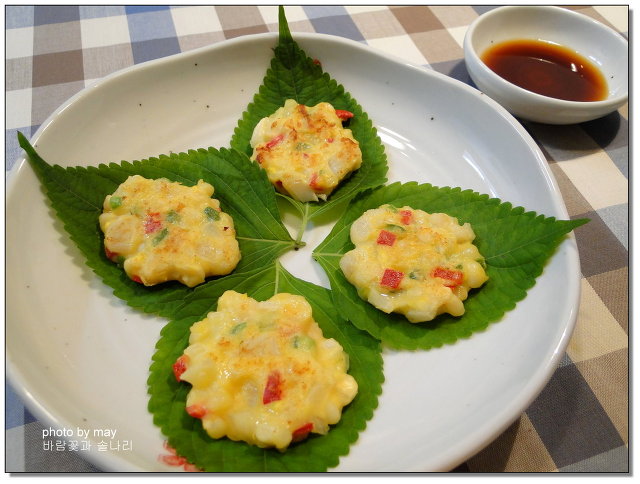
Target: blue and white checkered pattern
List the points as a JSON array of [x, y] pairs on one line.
[[579, 423]]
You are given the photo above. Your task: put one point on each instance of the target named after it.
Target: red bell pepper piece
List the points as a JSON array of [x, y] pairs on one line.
[[196, 410], [301, 433], [173, 460], [152, 223], [168, 448], [344, 115], [189, 467], [180, 366], [391, 278], [386, 238], [452, 278], [406, 216], [273, 388], [113, 256], [313, 182], [274, 141]]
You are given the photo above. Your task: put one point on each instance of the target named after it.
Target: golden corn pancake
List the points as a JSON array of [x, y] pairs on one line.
[[413, 263], [305, 150], [262, 372], [163, 231]]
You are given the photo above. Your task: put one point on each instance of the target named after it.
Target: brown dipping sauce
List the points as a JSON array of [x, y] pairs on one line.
[[548, 69]]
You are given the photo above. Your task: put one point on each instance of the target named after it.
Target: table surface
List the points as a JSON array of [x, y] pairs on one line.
[[579, 422]]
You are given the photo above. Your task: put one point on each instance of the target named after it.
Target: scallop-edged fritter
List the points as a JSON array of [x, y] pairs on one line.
[[161, 231], [263, 373], [413, 263], [306, 151]]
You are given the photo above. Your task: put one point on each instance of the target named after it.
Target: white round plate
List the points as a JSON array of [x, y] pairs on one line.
[[79, 357]]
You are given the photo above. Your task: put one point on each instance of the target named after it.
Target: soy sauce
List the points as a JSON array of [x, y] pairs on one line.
[[548, 69]]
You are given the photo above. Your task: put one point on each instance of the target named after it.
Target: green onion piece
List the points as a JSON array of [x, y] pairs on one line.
[[238, 327], [266, 325], [115, 202], [394, 228], [158, 238], [172, 216], [212, 213], [303, 342]]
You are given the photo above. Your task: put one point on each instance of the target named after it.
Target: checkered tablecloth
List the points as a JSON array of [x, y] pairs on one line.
[[580, 421]]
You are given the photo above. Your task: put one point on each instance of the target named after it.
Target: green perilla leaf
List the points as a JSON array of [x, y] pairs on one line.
[[294, 75], [77, 195], [516, 246], [315, 454]]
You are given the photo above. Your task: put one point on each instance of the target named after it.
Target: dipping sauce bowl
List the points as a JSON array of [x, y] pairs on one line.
[[558, 66]]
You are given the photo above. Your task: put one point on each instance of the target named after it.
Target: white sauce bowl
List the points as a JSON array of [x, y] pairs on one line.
[[605, 48]]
